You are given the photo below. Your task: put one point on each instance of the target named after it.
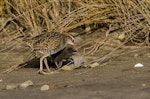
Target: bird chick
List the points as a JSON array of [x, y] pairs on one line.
[[67, 52]]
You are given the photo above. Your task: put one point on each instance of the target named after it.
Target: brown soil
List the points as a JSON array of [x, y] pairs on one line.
[[118, 79]]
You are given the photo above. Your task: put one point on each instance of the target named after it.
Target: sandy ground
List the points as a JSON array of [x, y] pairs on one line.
[[118, 79]]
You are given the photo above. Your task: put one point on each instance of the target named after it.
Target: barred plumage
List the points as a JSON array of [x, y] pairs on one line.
[[48, 44], [50, 41]]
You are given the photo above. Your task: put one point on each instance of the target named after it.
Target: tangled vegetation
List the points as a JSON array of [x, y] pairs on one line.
[[130, 18]]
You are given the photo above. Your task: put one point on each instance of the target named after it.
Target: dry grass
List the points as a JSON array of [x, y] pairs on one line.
[[38, 16], [31, 17], [129, 17]]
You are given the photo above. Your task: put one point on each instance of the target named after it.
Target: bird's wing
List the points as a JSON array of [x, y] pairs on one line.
[[50, 41]]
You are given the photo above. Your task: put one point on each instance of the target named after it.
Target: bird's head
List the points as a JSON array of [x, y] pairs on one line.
[[67, 52], [70, 50], [70, 40]]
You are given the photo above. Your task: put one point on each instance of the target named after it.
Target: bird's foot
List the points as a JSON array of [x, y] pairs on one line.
[[47, 73]]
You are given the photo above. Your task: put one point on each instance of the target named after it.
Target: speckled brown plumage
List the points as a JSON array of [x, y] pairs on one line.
[[48, 44]]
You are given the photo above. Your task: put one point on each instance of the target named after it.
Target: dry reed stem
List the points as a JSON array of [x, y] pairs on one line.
[[97, 43]]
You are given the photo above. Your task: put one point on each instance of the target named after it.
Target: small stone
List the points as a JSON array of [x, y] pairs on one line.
[[144, 85], [66, 67], [26, 84], [11, 86], [138, 65], [136, 55], [94, 65], [1, 80], [44, 88], [122, 37], [87, 28]]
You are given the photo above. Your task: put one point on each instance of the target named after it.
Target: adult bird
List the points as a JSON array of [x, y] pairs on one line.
[[48, 44]]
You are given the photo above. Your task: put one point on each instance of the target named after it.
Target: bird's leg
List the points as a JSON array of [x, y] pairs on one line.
[[46, 64], [58, 64], [41, 64]]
